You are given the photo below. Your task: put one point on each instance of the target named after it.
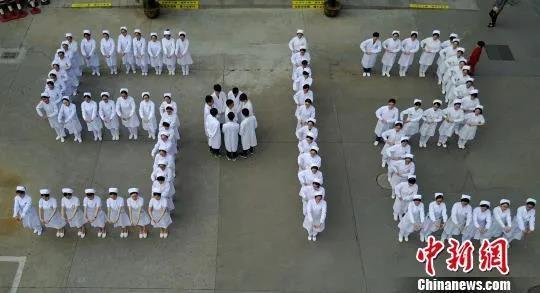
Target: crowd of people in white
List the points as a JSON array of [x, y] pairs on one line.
[[312, 192], [464, 113]]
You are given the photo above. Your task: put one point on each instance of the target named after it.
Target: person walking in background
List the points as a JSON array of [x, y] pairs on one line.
[[475, 56], [498, 6]]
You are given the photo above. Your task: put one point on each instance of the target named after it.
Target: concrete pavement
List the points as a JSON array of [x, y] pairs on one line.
[[237, 227]]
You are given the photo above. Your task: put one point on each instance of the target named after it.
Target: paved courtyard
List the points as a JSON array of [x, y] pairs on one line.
[[237, 226]]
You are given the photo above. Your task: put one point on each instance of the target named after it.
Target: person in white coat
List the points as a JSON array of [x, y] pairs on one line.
[[76, 56], [231, 130], [297, 58], [213, 132], [301, 132], [125, 50], [306, 177], [116, 211], [245, 103], [140, 53], [155, 53], [303, 113], [159, 213], [471, 122], [524, 221], [451, 116], [298, 72], [396, 152], [480, 224], [306, 160], [305, 145], [430, 47], [71, 211], [89, 52], [314, 220], [460, 218], [502, 220], [126, 111], [391, 137], [247, 133], [164, 186], [409, 47], [138, 215], [370, 47], [301, 80], [49, 213], [431, 117], [108, 50], [148, 115], [163, 155], [24, 212], [234, 95], [54, 88], [48, 110], [404, 192], [165, 143], [93, 212], [107, 113], [183, 55], [444, 54], [301, 96], [167, 102], [386, 117], [170, 116], [400, 170], [220, 98], [413, 219], [391, 47], [411, 118], [436, 217], [298, 42], [67, 116], [168, 46], [89, 110]]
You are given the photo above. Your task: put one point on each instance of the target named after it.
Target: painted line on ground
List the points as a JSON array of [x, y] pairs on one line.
[[307, 4], [21, 260], [429, 6], [91, 5], [180, 4]]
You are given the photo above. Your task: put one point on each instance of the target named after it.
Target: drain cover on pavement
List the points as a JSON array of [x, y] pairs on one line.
[[11, 55], [382, 180], [499, 52]]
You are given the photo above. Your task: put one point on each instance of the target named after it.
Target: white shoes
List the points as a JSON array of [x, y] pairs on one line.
[[383, 164], [58, 137], [165, 234], [130, 136], [145, 235], [376, 143], [421, 237], [103, 235], [439, 144], [461, 147], [400, 238], [368, 74], [82, 235], [161, 235], [135, 136], [140, 235], [406, 238], [314, 238], [99, 234], [444, 145], [393, 196], [124, 235], [309, 238], [79, 233], [364, 74], [62, 139]]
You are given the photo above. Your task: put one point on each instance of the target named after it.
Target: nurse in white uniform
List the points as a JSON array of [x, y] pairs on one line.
[[89, 110], [168, 46], [107, 113], [391, 47], [183, 54], [116, 212], [431, 46], [140, 52], [315, 217], [147, 111], [480, 224], [49, 213], [436, 217], [409, 47], [431, 117], [155, 53], [47, 109], [108, 50], [411, 118], [413, 219], [404, 192], [159, 213], [524, 221], [93, 213], [126, 111], [89, 52], [502, 220], [67, 116], [471, 122], [460, 218], [71, 211], [138, 216], [24, 212], [298, 42], [125, 50]]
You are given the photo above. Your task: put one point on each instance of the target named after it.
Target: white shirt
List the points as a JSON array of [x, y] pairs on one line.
[[50, 109], [158, 204], [92, 203], [437, 211], [414, 211], [296, 43], [115, 204], [21, 205], [523, 217], [47, 204], [135, 204], [503, 218], [107, 110], [405, 191], [461, 212], [481, 217], [387, 114], [72, 202], [124, 44], [89, 110], [305, 160]]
